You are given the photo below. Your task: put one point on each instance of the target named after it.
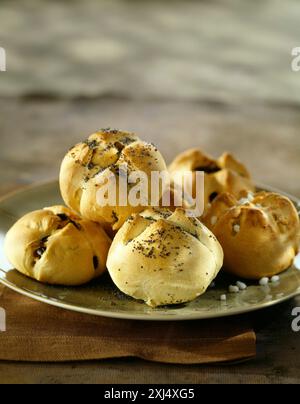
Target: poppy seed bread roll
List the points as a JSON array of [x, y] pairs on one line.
[[164, 258], [86, 169], [57, 247], [259, 233]]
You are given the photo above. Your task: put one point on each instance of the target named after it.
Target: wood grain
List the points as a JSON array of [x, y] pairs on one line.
[[266, 138], [231, 51]]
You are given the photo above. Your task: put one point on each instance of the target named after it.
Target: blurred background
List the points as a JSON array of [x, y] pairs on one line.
[[181, 73]]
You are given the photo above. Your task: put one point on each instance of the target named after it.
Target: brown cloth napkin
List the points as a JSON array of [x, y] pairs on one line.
[[41, 333]]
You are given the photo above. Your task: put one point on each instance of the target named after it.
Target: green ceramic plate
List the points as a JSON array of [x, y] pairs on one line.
[[102, 298]]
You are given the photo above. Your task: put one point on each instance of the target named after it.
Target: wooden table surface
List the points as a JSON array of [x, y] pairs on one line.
[[219, 78]]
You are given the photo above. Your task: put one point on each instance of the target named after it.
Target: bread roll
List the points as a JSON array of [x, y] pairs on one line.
[[225, 174], [57, 247], [87, 166], [164, 258], [259, 234]]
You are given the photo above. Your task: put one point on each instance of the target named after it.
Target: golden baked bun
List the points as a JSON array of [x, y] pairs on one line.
[[226, 174], [164, 258], [259, 234], [87, 166], [173, 196], [57, 247]]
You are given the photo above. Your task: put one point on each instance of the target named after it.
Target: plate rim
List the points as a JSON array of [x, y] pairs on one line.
[[26, 187], [144, 317], [141, 317]]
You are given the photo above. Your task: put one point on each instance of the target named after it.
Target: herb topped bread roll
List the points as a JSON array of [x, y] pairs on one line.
[[164, 258], [57, 247], [86, 169], [259, 234], [226, 174]]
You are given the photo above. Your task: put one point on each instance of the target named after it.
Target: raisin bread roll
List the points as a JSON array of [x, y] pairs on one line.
[[226, 174], [86, 169], [57, 247], [164, 258], [259, 234]]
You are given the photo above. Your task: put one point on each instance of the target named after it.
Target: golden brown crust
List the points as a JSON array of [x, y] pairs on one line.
[[164, 258], [225, 174], [259, 234], [88, 164], [56, 246]]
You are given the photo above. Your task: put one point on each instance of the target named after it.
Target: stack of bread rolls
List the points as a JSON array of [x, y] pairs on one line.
[[157, 255], [259, 232]]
